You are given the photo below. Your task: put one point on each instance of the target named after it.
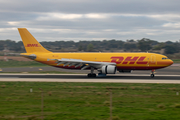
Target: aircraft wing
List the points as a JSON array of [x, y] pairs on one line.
[[81, 63]]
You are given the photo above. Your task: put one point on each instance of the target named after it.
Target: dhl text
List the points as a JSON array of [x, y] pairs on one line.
[[129, 60]]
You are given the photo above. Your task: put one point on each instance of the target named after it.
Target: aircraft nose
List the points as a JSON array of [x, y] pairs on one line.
[[170, 62]]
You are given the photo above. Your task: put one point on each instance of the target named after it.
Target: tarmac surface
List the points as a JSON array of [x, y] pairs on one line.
[[171, 70], [128, 78], [167, 75]]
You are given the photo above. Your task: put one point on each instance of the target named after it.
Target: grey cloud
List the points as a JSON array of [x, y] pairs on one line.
[[93, 20], [15, 16], [93, 6]]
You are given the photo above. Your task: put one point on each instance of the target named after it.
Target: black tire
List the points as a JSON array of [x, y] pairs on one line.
[[93, 75], [152, 75], [89, 75]]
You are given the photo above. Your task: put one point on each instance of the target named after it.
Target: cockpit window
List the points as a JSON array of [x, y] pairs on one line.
[[164, 58]]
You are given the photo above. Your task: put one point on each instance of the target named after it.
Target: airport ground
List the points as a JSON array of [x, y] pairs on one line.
[[88, 101], [169, 73], [73, 96], [171, 70], [52, 74]]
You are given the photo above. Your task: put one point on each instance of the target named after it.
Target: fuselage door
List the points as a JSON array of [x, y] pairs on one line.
[[153, 59]]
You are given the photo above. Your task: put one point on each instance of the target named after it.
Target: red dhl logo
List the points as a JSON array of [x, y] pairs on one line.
[[33, 45], [129, 60]]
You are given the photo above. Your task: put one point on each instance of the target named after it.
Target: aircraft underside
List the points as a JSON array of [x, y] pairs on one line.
[[119, 69]]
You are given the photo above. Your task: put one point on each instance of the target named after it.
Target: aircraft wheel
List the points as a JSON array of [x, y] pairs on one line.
[[91, 75], [94, 75], [152, 75]]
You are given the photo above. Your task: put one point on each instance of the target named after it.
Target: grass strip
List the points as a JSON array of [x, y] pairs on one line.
[[89, 101], [13, 63]]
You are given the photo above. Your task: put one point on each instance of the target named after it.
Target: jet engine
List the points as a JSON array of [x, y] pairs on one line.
[[108, 69]]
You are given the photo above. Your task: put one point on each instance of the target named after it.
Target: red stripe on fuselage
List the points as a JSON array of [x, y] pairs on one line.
[[164, 63], [130, 60], [138, 67], [53, 63], [140, 61]]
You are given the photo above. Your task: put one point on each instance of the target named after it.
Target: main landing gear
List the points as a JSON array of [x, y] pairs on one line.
[[91, 75], [152, 73]]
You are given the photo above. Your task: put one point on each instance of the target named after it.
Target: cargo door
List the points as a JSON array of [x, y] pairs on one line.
[[153, 59]]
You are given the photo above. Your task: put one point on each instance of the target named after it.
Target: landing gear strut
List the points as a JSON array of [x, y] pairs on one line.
[[92, 74], [152, 73]]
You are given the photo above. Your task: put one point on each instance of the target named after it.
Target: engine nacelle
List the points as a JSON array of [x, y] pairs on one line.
[[108, 69]]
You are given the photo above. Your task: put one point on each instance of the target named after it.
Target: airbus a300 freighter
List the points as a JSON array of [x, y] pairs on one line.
[[104, 63]]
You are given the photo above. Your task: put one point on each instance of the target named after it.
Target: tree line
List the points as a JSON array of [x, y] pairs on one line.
[[143, 45]]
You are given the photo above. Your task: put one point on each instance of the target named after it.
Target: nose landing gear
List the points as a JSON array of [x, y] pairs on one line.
[[152, 73]]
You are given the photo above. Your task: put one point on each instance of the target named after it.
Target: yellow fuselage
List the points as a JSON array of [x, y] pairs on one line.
[[127, 61], [124, 61]]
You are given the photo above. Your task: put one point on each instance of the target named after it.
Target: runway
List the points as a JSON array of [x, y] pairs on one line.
[[117, 78], [171, 70]]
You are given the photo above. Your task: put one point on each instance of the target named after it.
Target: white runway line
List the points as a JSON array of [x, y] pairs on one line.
[[125, 74], [89, 80], [64, 78], [24, 74], [175, 64]]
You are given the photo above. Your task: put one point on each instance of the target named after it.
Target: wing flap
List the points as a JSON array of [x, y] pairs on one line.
[[80, 63]]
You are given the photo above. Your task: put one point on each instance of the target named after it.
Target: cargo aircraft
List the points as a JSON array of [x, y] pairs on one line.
[[104, 63]]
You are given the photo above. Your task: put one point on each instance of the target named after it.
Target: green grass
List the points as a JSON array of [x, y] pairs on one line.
[[13, 63], [89, 101], [176, 60]]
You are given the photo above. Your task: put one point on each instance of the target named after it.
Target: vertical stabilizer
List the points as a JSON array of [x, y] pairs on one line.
[[30, 43]]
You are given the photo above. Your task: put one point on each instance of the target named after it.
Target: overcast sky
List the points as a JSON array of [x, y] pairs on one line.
[[54, 20]]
